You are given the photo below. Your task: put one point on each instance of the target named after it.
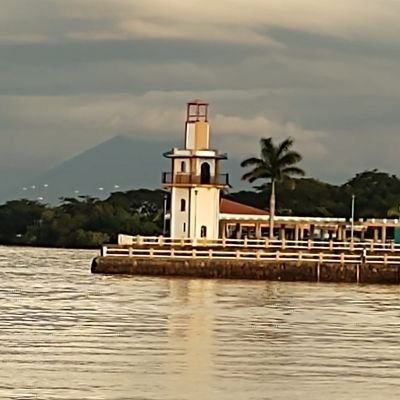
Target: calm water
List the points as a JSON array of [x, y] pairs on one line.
[[67, 334]]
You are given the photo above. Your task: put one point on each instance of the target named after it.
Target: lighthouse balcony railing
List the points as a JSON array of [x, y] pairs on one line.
[[189, 179]]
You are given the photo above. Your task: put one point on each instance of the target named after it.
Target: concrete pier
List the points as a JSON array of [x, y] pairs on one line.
[[257, 269]]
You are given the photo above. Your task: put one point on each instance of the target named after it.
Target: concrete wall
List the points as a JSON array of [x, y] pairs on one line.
[[177, 166], [197, 135], [249, 269], [180, 219], [204, 212], [202, 208], [190, 135]]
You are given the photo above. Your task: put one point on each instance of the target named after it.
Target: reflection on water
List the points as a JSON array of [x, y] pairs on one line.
[[67, 334]]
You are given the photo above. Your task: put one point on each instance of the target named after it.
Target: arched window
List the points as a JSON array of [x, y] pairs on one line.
[[203, 231], [205, 177], [183, 166], [183, 205]]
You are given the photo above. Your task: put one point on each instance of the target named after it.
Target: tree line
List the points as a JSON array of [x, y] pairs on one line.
[[88, 222], [82, 222]]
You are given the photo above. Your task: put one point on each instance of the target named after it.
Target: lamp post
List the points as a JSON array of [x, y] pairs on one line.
[[353, 198]]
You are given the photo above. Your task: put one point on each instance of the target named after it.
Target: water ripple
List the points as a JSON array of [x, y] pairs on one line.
[[67, 334]]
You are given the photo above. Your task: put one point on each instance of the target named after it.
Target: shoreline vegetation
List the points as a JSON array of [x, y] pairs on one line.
[[87, 222]]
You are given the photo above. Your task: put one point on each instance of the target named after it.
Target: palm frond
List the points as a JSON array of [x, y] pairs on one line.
[[251, 161], [247, 176], [268, 151], [293, 171], [266, 143], [277, 162], [257, 173], [284, 146], [290, 158], [263, 187], [263, 171]]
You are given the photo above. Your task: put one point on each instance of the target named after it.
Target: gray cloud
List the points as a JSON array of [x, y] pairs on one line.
[[75, 73]]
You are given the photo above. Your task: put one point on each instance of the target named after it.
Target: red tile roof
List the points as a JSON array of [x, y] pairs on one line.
[[232, 207]]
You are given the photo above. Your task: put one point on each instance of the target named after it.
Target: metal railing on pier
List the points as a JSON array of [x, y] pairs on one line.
[[265, 243], [299, 256]]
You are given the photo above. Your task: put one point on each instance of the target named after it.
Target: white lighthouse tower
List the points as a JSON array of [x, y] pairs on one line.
[[195, 181]]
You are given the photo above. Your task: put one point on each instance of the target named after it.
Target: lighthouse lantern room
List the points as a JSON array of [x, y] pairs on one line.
[[195, 181]]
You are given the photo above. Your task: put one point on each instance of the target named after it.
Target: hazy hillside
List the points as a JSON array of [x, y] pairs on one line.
[[118, 164]]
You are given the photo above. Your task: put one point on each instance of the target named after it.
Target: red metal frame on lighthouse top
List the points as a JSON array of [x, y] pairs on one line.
[[196, 111]]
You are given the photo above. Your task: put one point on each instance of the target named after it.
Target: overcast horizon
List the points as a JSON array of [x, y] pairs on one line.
[[74, 74]]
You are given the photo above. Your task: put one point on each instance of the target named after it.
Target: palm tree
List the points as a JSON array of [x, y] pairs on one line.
[[276, 164]]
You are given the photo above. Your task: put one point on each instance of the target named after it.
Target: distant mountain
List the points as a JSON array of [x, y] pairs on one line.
[[120, 163], [117, 164]]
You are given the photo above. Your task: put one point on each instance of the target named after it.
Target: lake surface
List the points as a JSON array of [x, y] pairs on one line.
[[68, 334]]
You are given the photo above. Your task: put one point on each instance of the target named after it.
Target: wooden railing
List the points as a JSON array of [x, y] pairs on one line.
[[248, 254], [296, 245], [189, 179]]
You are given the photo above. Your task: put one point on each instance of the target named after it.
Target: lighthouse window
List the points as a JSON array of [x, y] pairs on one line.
[[203, 231], [205, 177], [183, 205], [183, 166]]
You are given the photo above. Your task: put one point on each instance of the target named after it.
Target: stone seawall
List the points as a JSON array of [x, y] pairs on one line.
[[249, 269]]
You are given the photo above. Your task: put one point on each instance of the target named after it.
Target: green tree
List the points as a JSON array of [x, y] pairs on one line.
[[277, 164], [376, 192], [394, 212], [15, 218]]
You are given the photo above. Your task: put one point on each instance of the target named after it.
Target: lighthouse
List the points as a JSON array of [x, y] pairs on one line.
[[195, 181]]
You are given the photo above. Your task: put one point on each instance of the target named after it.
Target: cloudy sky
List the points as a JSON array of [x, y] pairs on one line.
[[75, 73]]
